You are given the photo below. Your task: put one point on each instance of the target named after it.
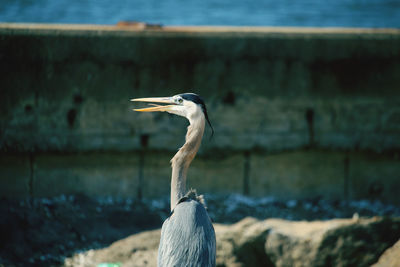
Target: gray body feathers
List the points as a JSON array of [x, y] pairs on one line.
[[187, 237]]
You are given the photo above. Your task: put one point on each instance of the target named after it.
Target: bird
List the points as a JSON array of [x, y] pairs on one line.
[[187, 235]]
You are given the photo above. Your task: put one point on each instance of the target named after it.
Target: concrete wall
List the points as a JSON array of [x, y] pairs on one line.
[[297, 112]]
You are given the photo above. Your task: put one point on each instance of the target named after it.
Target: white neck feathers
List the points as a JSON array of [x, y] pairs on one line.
[[182, 159]]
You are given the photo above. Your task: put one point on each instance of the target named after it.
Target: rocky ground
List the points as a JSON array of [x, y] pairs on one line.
[[71, 230], [271, 242]]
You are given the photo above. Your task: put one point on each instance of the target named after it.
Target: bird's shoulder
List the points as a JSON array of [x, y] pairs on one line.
[[192, 195], [187, 236]]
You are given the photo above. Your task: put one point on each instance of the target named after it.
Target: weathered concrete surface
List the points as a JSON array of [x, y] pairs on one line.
[[298, 174], [312, 174], [94, 174], [16, 175], [66, 89], [272, 242], [324, 174]]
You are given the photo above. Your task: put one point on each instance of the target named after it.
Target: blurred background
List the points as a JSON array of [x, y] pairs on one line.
[[306, 120]]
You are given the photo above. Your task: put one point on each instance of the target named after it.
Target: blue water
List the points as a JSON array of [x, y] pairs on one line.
[[334, 13]]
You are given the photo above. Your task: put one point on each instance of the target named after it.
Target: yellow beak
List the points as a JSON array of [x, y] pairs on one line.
[[165, 100]]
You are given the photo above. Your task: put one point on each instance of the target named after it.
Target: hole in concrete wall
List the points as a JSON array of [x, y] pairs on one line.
[[310, 124], [144, 140], [310, 115], [78, 99], [229, 98], [71, 117], [28, 108]]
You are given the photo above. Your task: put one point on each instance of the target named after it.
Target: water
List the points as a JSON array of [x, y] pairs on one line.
[[338, 13]]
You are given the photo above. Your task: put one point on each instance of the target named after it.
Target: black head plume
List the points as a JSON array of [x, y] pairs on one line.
[[198, 100]]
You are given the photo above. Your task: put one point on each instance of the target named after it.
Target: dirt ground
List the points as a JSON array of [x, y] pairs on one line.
[[44, 231]]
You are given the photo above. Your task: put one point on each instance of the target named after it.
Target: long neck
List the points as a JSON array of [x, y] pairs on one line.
[[182, 159]]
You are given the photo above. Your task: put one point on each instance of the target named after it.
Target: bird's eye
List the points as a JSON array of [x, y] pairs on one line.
[[180, 100]]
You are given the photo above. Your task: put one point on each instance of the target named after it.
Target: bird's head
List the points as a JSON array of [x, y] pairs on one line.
[[188, 105]]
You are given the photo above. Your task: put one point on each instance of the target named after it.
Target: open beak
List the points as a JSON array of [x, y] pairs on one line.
[[164, 100]]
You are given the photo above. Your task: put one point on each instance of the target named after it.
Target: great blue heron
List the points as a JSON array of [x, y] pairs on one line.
[[187, 235]]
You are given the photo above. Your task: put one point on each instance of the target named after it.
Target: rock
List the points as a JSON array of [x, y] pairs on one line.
[[272, 242], [276, 242], [339, 242], [133, 251], [390, 258], [241, 244]]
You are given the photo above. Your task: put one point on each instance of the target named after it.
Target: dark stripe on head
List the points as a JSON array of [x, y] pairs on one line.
[[199, 101]]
